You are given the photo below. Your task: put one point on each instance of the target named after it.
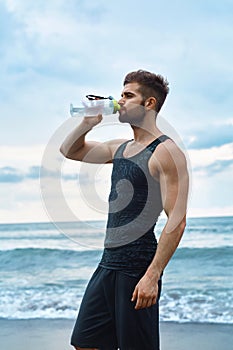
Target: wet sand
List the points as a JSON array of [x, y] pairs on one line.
[[41, 334]]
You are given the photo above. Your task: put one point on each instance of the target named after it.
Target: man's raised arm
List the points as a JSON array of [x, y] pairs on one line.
[[77, 148]]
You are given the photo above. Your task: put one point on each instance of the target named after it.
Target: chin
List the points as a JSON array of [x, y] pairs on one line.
[[135, 120], [123, 118]]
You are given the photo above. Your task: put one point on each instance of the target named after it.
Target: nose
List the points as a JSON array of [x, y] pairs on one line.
[[121, 101]]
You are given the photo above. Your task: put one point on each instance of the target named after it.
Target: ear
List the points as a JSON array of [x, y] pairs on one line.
[[150, 103]]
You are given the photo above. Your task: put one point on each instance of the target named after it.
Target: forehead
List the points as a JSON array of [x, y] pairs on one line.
[[132, 87]]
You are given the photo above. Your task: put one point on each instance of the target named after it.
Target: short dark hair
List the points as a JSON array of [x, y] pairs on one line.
[[150, 85]]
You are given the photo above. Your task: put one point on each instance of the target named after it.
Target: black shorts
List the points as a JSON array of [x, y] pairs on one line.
[[107, 319]]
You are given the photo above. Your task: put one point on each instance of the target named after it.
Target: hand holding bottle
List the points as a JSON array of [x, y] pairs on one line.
[[94, 110], [95, 107], [91, 121], [75, 146]]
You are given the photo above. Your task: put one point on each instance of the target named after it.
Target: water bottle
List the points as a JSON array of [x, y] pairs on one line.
[[94, 106]]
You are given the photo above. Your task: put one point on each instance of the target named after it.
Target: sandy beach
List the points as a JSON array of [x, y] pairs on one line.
[[43, 334]]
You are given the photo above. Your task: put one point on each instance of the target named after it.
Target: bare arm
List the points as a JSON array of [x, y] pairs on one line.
[[77, 148], [170, 167]]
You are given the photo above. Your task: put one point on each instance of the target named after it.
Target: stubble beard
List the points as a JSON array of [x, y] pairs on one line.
[[134, 116]]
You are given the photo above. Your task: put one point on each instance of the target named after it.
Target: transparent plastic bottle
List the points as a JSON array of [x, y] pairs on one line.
[[92, 108]]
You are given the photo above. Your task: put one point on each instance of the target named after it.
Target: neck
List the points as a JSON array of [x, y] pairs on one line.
[[147, 130]]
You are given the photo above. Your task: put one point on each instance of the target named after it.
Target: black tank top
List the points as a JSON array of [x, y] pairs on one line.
[[134, 207]]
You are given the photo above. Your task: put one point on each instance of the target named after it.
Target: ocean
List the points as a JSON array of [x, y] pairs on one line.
[[44, 269]]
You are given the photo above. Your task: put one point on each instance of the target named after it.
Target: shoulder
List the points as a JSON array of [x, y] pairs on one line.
[[167, 157], [115, 144]]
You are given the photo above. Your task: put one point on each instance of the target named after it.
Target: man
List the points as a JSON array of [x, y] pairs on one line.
[[120, 305]]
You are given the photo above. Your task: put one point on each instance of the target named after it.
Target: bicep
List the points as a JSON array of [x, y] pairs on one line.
[[93, 152], [174, 182], [97, 152], [174, 188]]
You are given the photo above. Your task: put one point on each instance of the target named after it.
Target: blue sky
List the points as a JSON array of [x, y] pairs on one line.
[[54, 52]]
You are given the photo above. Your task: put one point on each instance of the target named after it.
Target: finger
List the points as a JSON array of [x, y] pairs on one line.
[[93, 120], [135, 293], [144, 303], [150, 302], [139, 303], [154, 301]]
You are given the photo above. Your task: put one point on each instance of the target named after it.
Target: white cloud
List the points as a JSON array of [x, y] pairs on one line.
[[21, 157], [21, 203], [62, 50], [205, 157], [211, 193], [87, 200], [210, 211]]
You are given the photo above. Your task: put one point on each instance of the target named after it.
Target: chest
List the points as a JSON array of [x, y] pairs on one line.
[[130, 173]]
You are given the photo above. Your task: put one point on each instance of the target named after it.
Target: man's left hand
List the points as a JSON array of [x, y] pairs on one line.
[[145, 293]]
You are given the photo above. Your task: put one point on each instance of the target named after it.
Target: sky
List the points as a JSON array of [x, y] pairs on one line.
[[55, 52]]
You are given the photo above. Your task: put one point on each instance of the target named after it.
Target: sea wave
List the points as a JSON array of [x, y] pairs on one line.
[[36, 254], [44, 259], [203, 306], [177, 305], [44, 273]]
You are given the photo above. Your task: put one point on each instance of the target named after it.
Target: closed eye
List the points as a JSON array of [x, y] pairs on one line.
[[127, 95]]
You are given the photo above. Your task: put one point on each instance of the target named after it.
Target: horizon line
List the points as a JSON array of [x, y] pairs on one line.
[[102, 220]]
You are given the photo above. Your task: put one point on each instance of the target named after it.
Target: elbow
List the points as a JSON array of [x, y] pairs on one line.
[[64, 152], [179, 230], [182, 225], [68, 154], [176, 224]]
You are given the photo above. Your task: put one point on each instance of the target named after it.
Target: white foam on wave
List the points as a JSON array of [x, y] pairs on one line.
[[197, 306], [176, 306]]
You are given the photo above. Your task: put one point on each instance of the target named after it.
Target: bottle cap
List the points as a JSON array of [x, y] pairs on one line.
[[116, 106]]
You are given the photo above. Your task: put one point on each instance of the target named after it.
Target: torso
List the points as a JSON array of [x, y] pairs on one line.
[[134, 206]]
